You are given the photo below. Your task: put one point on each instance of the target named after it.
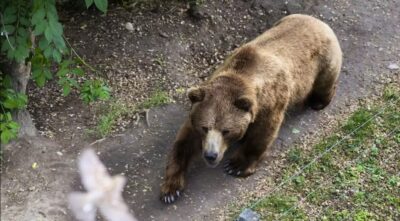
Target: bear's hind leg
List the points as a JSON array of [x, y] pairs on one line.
[[324, 87], [258, 139], [318, 100]]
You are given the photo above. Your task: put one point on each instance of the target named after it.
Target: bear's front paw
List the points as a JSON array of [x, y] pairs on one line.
[[238, 169], [170, 197], [170, 192]]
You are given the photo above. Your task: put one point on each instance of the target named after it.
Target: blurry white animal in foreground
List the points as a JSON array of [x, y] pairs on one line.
[[103, 192]]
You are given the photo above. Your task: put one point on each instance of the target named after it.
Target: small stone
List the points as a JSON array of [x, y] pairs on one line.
[[32, 188], [295, 131], [248, 215], [59, 153], [393, 66], [129, 26], [163, 34]]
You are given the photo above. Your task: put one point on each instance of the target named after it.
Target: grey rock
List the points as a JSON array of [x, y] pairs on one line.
[[248, 215], [129, 26], [163, 34], [393, 66]]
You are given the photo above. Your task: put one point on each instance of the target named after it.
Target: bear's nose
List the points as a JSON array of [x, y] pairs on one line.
[[210, 156]]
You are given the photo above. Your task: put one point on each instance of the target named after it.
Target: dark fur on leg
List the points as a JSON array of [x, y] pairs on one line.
[[186, 145]]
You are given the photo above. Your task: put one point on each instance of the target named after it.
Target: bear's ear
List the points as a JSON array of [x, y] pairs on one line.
[[196, 94], [244, 103], [245, 59]]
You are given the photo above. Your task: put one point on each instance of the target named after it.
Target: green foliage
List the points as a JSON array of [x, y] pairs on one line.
[[13, 100], [67, 75], [106, 123], [93, 90], [295, 155], [100, 4], [30, 31], [359, 118], [15, 42], [279, 203], [9, 100], [362, 215], [9, 128]]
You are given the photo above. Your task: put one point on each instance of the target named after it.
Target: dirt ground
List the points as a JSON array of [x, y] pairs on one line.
[[170, 51]]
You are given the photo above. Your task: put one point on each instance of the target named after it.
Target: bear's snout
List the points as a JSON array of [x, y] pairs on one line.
[[210, 156], [213, 147]]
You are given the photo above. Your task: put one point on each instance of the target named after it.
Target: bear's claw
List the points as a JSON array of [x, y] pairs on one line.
[[171, 197], [230, 169]]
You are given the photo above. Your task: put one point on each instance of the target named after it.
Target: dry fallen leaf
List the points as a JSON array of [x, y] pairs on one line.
[[35, 165]]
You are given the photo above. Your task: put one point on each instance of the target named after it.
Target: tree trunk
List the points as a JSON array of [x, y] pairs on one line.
[[20, 74]]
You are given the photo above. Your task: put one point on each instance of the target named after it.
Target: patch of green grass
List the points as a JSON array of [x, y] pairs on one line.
[[335, 215], [391, 92], [160, 61], [295, 155], [116, 110], [108, 119], [278, 204], [359, 118], [156, 99], [357, 180], [325, 143], [363, 215], [181, 90]]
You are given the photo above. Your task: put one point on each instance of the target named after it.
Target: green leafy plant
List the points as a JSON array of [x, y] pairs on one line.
[[100, 4], [9, 128], [10, 100], [30, 31], [93, 90]]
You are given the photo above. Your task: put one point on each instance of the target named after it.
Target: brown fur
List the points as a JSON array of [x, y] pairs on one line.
[[297, 60]]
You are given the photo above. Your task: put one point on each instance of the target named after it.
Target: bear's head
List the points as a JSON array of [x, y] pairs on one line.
[[221, 112]]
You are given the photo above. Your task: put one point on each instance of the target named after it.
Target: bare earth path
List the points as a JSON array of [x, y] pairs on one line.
[[369, 32]]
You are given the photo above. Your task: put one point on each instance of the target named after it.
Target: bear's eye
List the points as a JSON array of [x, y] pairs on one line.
[[205, 129], [225, 132]]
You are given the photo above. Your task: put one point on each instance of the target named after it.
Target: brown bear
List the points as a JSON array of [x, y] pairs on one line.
[[297, 61]]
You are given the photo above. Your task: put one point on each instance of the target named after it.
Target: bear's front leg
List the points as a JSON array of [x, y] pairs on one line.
[[259, 137], [187, 143]]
